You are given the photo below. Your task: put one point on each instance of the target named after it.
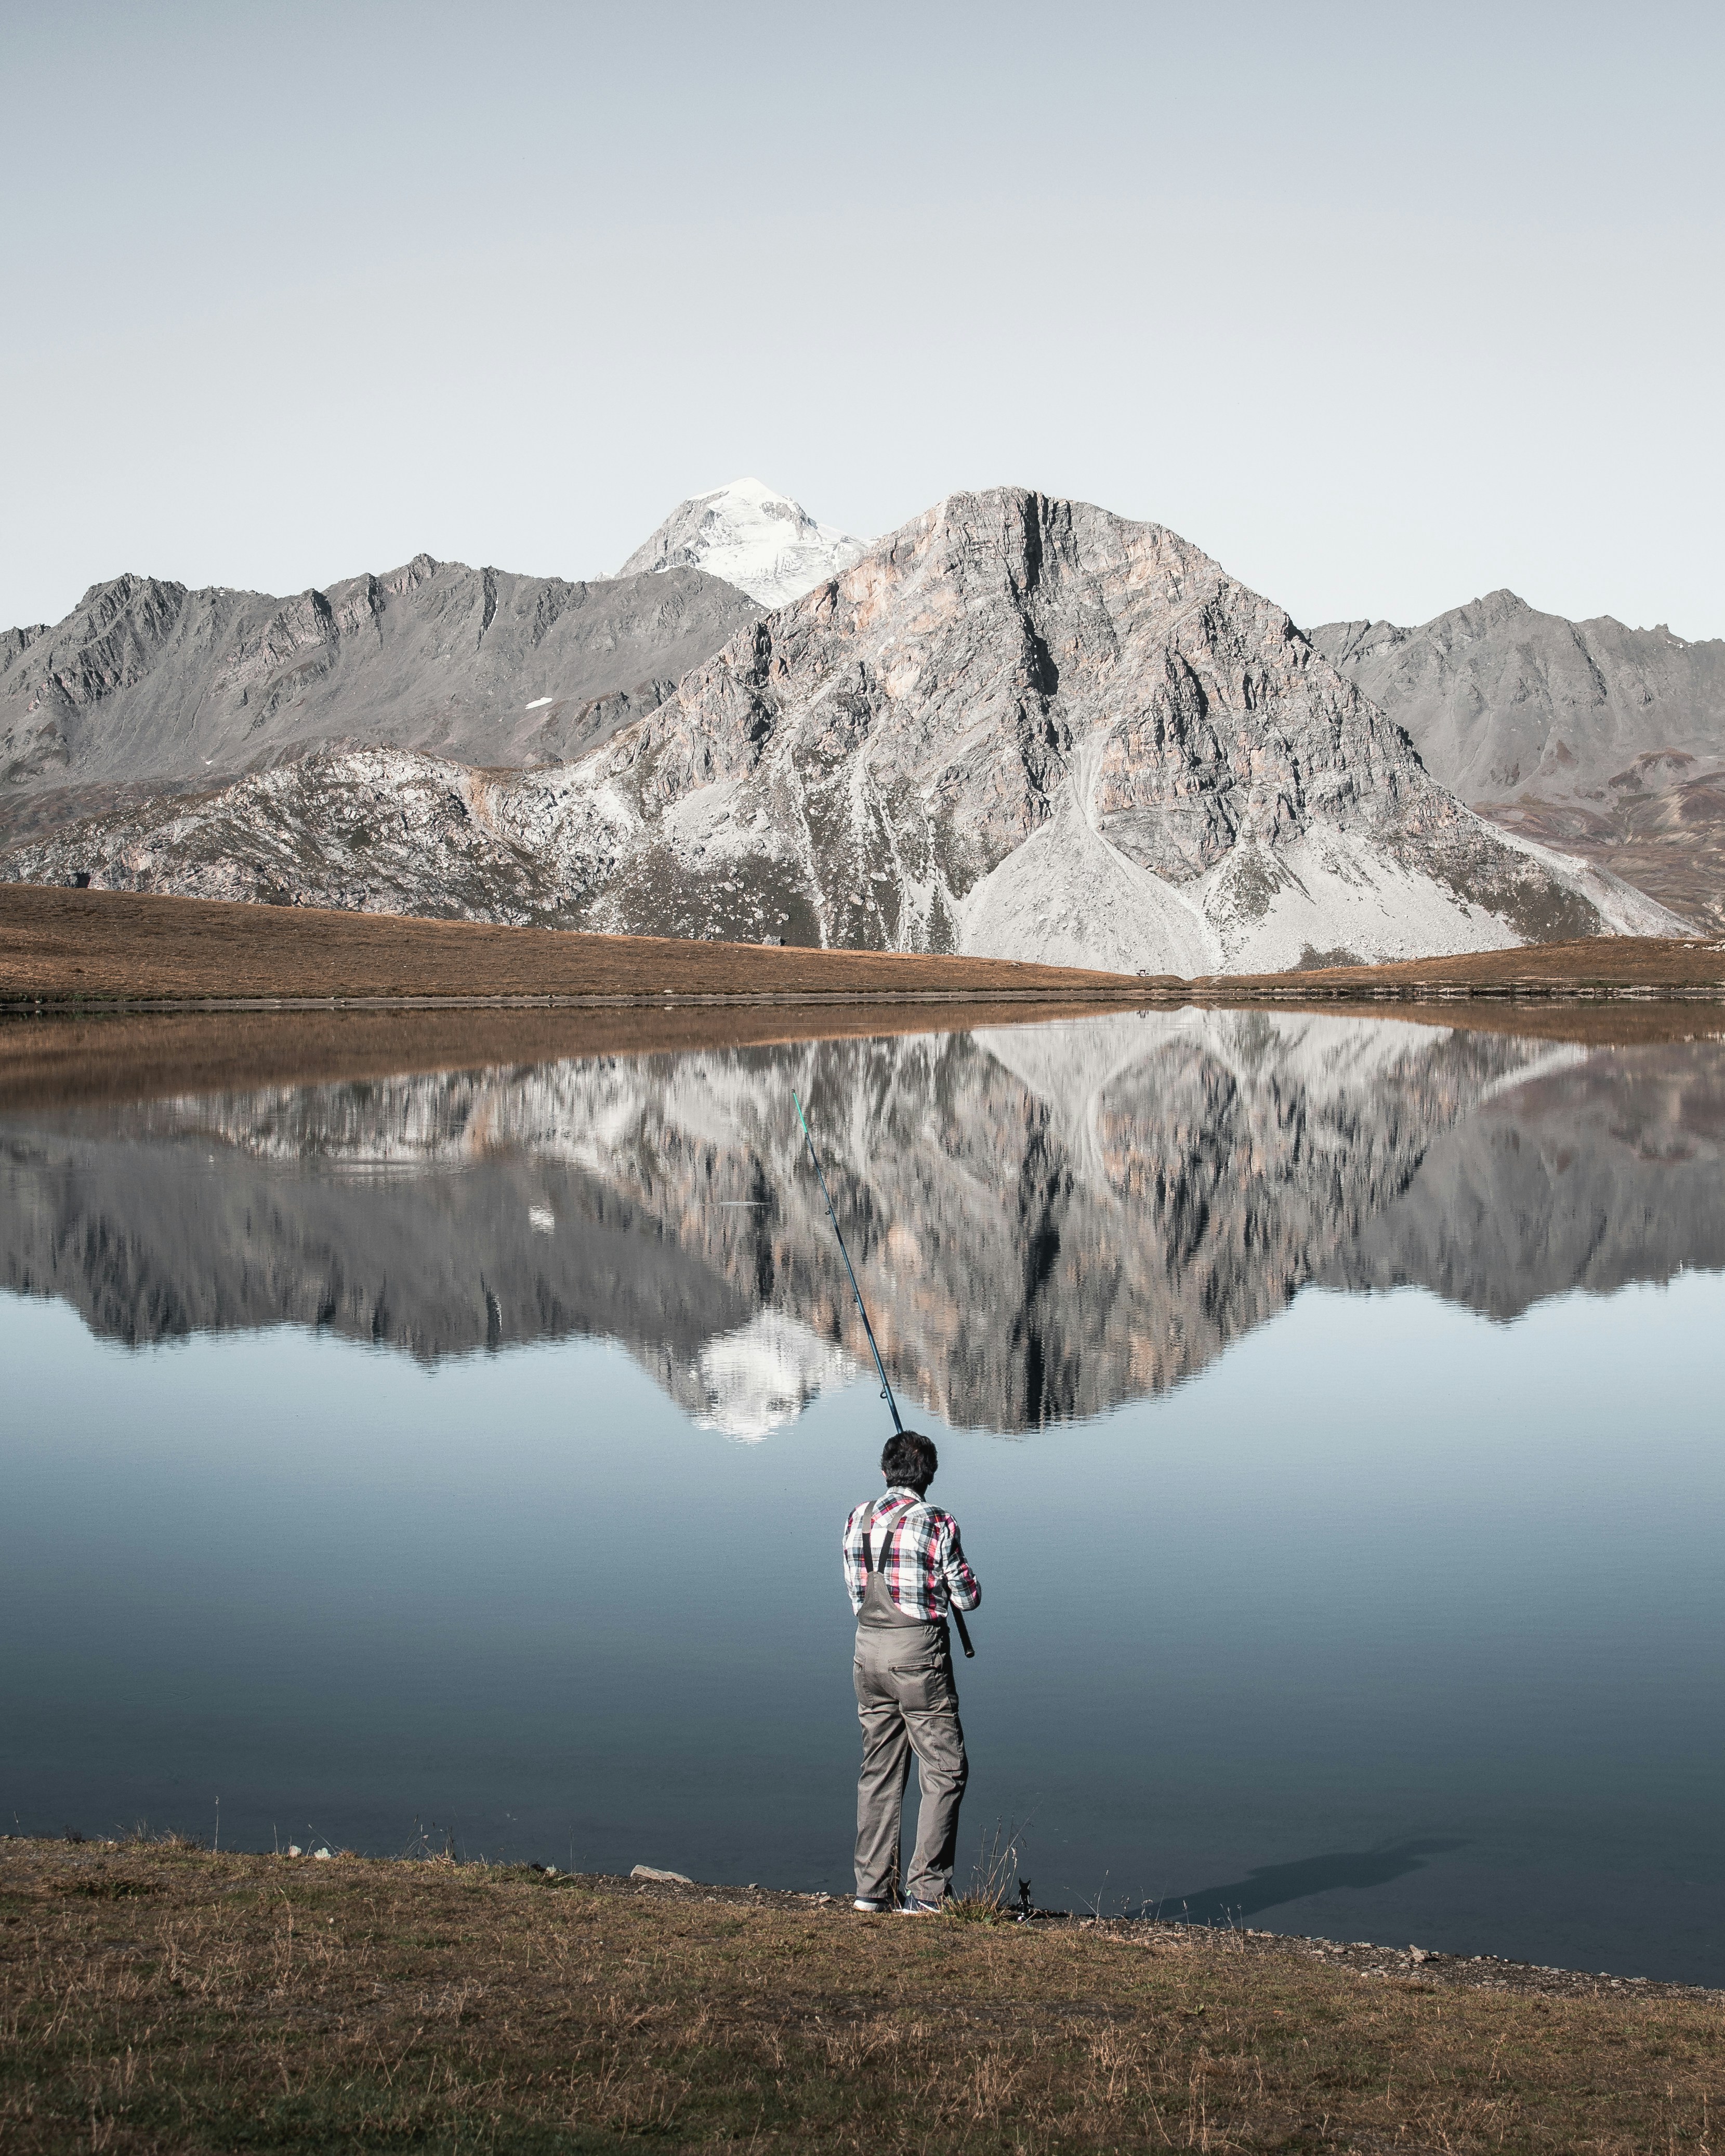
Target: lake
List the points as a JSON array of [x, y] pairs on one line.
[[1332, 1407]]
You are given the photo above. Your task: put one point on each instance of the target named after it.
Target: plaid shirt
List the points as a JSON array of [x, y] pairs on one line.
[[925, 1567]]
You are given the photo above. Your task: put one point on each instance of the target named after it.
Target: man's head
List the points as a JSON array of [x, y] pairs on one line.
[[909, 1461]]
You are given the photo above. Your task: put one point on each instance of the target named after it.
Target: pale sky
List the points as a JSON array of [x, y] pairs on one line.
[[1383, 306]]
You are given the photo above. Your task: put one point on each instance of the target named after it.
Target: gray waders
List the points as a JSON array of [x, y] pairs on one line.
[[907, 1701]]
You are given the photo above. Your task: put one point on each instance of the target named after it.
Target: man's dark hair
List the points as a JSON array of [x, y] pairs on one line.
[[909, 1460]]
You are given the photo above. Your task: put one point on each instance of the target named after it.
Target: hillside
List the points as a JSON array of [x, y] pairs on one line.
[[147, 689], [59, 946], [1603, 740]]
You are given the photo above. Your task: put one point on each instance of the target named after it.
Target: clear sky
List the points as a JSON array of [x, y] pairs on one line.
[[1382, 305]]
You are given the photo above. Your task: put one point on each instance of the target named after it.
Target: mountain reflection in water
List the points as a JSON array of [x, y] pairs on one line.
[[1048, 1220]]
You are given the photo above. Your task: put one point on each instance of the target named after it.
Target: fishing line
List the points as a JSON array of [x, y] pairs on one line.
[[862, 1309]]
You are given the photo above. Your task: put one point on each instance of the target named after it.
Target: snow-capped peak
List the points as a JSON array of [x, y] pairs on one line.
[[764, 543]]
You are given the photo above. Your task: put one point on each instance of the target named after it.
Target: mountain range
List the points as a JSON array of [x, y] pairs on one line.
[[1017, 726], [1605, 741], [150, 691], [1048, 1221]]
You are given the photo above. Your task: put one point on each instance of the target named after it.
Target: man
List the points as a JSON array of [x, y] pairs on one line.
[[905, 1569]]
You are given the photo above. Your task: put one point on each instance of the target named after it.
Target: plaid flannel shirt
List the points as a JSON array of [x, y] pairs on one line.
[[924, 1564]]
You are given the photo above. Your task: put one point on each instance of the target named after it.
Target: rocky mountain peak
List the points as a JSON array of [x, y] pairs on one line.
[[1022, 724], [120, 591], [411, 574], [1491, 690]]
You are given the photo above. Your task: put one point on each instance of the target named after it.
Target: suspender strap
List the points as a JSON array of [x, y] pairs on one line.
[[868, 1533]]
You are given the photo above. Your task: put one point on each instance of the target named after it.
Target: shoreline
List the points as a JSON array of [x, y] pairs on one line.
[[88, 950], [160, 1995], [1362, 1958]]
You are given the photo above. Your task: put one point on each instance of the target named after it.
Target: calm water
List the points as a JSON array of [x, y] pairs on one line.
[[1332, 1409]]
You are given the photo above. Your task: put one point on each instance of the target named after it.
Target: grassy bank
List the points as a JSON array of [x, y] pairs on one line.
[[160, 1997], [88, 949], [95, 947]]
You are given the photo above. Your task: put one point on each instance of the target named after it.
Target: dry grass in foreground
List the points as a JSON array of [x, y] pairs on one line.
[[156, 1997]]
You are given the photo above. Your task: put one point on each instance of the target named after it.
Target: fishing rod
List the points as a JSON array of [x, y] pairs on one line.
[[862, 1309]]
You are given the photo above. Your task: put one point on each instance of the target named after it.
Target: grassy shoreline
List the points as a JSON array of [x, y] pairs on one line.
[[90, 949], [156, 1996]]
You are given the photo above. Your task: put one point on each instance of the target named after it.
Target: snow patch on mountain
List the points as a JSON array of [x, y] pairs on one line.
[[746, 534]]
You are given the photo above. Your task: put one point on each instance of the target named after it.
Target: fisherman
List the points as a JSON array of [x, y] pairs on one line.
[[905, 1570]]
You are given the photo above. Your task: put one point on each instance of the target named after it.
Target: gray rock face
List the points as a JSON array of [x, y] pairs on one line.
[[1047, 1220], [1502, 700], [148, 684], [1020, 727], [1024, 727], [1587, 734]]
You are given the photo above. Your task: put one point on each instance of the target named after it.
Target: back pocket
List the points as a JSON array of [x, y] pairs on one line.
[[923, 1685]]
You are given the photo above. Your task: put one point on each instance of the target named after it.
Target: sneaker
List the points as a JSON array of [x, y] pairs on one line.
[[919, 1908], [871, 1905]]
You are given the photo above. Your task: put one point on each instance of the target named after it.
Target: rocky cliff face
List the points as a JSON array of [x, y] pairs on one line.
[[1020, 727], [764, 543], [1048, 1221], [1025, 727], [1586, 735], [150, 686]]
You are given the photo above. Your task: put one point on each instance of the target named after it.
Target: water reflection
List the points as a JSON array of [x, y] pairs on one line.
[[1048, 1220]]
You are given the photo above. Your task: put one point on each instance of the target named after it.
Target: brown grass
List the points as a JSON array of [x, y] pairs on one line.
[[99, 946], [152, 1997], [1598, 965], [70, 948]]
